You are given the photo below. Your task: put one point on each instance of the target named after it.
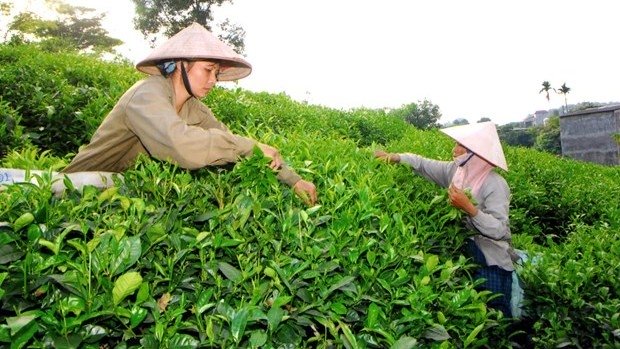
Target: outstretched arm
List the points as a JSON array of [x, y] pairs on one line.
[[389, 157], [439, 172]]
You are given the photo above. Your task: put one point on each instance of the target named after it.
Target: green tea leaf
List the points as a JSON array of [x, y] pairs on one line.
[[258, 339], [16, 323], [349, 339], [274, 316], [230, 272], [237, 327], [23, 220], [34, 232], [124, 253], [372, 319], [338, 308], [371, 256], [437, 332], [107, 194], [202, 303], [23, 336], [125, 285], [143, 293], [281, 300], [93, 333], [137, 316], [341, 283], [405, 343], [73, 304], [5, 238], [183, 341], [51, 246], [71, 341], [472, 336], [431, 262], [149, 341], [8, 254], [5, 336]]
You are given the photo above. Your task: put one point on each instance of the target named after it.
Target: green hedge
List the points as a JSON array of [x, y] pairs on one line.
[[11, 131], [573, 290], [60, 98]]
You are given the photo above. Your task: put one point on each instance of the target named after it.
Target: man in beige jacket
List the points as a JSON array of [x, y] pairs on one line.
[[162, 116]]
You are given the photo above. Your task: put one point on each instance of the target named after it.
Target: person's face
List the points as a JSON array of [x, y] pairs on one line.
[[202, 77], [458, 150]]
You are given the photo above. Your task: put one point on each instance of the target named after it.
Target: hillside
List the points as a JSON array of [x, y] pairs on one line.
[[229, 257]]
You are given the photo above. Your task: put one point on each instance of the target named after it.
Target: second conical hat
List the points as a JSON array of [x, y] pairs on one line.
[[196, 42], [482, 139]]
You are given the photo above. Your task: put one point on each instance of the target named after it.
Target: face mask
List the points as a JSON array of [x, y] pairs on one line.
[[461, 160]]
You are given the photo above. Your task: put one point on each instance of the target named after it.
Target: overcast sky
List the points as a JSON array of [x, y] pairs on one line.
[[474, 59]]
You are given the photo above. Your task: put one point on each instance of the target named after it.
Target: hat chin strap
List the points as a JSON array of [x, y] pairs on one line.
[[186, 83]]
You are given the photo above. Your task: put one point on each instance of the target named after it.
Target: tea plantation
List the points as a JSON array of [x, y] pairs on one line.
[[229, 257]]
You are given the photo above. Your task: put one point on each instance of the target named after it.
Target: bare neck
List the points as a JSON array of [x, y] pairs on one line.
[[180, 93]]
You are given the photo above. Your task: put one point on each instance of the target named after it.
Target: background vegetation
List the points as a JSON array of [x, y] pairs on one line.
[[225, 257]]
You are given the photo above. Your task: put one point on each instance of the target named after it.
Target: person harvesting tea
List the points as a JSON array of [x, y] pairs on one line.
[[162, 115], [476, 154]]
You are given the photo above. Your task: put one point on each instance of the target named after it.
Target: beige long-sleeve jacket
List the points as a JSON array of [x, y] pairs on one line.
[[491, 223], [144, 121]]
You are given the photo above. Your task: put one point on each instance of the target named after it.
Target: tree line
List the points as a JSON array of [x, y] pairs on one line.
[[78, 28]]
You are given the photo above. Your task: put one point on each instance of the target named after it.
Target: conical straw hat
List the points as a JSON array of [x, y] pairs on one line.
[[196, 42], [482, 139]]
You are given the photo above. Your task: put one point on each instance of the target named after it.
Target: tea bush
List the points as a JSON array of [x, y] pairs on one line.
[[551, 194], [573, 289], [243, 110], [60, 98], [228, 257], [11, 132]]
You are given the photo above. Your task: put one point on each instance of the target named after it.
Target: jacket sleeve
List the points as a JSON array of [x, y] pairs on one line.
[[492, 217], [151, 116], [207, 118], [287, 176], [439, 172]]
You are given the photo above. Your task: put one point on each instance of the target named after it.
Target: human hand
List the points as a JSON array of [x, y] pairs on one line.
[[392, 158], [273, 154], [306, 191], [460, 200]]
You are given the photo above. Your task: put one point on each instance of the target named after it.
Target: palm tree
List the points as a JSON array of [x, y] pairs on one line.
[[564, 90], [546, 87]]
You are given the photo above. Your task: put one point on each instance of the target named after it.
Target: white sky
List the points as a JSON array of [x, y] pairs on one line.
[[478, 58]]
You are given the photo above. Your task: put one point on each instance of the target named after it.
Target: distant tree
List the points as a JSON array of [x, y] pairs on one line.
[[74, 29], [5, 8], [587, 105], [548, 138], [460, 121], [546, 88], [484, 119], [5, 12], [513, 134], [564, 90], [167, 17], [617, 138], [423, 115]]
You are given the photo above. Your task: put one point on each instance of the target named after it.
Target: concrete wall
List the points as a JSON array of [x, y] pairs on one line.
[[588, 135]]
